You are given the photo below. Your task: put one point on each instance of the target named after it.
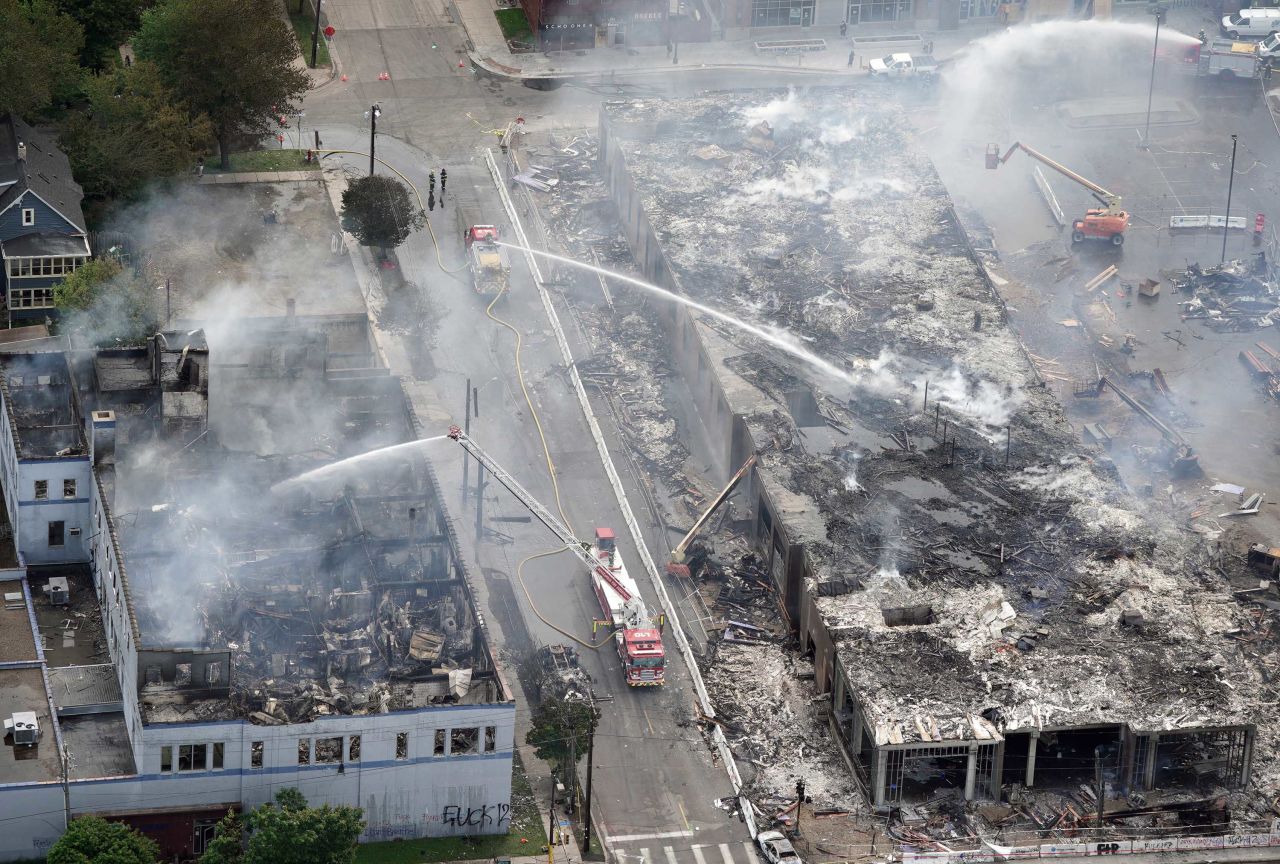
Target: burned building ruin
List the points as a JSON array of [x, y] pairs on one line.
[[987, 608], [274, 613]]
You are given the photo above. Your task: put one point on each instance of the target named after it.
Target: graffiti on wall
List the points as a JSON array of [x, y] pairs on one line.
[[484, 816]]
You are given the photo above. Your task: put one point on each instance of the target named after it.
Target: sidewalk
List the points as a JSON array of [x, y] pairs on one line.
[[488, 51]]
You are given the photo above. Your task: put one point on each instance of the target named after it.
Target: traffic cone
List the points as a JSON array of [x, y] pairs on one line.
[[344, 76]]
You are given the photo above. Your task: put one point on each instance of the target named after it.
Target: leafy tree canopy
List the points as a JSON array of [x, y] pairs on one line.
[[378, 212], [134, 130], [90, 840], [287, 831], [106, 23], [557, 724], [230, 59], [107, 304], [38, 50]]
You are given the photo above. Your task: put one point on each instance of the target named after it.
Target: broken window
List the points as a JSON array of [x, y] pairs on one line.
[[328, 751], [304, 751], [908, 616], [353, 749], [212, 673], [68, 488], [439, 748], [166, 760], [192, 757], [402, 745], [183, 678], [490, 738], [42, 490], [462, 741], [219, 749], [255, 754], [57, 533]]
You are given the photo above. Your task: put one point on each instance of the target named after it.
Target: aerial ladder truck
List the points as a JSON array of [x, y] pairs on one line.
[[1108, 222], [637, 635]]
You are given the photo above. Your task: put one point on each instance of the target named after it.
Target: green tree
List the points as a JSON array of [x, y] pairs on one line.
[[106, 23], [290, 832], [134, 130], [38, 51], [107, 304], [227, 845], [90, 840], [378, 212], [230, 59], [559, 727]]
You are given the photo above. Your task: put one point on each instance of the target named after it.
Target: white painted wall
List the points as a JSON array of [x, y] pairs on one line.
[[33, 515]]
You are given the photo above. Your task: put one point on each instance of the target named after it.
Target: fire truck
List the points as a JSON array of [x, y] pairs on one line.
[[486, 260], [637, 634]]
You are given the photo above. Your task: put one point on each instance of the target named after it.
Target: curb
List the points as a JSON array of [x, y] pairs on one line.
[[486, 65]]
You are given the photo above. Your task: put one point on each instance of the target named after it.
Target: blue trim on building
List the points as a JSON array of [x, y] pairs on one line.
[[45, 501], [53, 459], [431, 709]]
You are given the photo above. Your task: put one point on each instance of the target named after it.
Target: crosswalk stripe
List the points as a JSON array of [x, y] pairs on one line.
[[751, 853], [644, 855], [671, 854], [725, 854], [697, 855]]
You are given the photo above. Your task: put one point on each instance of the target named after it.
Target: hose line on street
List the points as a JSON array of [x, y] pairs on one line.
[[551, 470]]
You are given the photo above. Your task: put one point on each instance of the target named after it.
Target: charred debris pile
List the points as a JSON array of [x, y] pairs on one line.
[[976, 574], [339, 594]]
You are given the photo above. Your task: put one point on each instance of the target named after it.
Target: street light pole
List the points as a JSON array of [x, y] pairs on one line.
[[315, 35], [1151, 88], [374, 113], [1226, 222]]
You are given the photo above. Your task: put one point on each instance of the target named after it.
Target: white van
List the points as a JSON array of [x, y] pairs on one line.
[[1251, 22]]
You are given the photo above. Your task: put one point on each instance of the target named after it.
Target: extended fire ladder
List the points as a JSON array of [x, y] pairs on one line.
[[545, 516]]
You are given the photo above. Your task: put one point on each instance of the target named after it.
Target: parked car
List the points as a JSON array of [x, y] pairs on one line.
[[777, 848]]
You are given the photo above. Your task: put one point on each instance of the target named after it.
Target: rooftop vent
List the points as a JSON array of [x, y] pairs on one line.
[[24, 728], [59, 591], [908, 616], [22, 151]]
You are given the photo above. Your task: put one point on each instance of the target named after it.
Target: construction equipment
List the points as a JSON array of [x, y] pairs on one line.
[[1108, 222], [637, 633], [486, 260], [678, 567]]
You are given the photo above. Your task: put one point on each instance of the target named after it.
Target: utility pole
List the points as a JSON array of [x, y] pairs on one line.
[[1226, 222], [1102, 788], [799, 803], [586, 804], [374, 113], [551, 825], [1151, 88], [315, 35]]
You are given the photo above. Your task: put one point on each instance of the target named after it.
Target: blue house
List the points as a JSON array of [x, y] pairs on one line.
[[42, 232]]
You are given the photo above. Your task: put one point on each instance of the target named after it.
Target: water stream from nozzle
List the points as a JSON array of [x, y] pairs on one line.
[[777, 340], [334, 469]]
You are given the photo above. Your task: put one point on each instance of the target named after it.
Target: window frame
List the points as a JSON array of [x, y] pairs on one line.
[[41, 490], [166, 759], [190, 752], [60, 532], [68, 483], [28, 217]]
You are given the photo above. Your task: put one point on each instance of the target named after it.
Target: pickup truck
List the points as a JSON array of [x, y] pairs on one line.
[[904, 66]]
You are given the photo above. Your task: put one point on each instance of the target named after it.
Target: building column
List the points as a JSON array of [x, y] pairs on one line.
[[879, 758], [1149, 770], [997, 772], [1031, 758], [857, 729], [1246, 766], [971, 773]]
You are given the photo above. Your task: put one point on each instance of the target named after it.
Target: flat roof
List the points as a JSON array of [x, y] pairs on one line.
[[23, 690], [73, 634], [956, 589], [97, 746]]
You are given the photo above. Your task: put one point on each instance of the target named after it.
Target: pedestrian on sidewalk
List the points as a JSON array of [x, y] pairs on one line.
[[851, 59], [444, 178], [844, 29]]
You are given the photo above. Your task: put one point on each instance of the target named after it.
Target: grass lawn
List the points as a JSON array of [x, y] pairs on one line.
[[526, 821], [302, 28], [514, 25], [265, 160]]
